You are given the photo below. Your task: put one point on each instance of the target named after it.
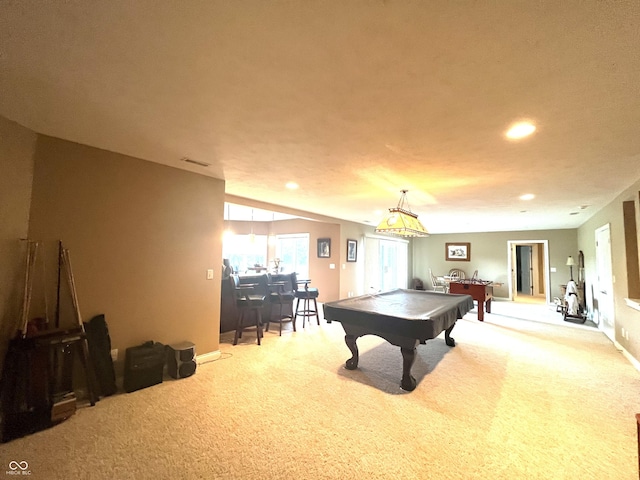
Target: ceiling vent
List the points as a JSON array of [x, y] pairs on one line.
[[195, 162]]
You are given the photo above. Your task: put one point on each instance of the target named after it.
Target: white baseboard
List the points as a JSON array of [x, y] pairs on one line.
[[628, 356], [208, 357]]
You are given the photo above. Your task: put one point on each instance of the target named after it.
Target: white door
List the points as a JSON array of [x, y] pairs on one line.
[[394, 262], [385, 263], [603, 308]]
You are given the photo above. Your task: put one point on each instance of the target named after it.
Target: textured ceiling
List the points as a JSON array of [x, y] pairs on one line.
[[352, 100]]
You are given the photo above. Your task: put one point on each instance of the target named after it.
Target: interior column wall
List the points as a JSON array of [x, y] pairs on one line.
[[141, 237], [626, 318]]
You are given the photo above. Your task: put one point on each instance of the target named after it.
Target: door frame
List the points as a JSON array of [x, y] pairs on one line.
[[511, 264], [609, 331]]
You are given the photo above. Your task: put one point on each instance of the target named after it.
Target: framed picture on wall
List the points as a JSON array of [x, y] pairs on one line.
[[324, 248], [352, 250], [457, 252]]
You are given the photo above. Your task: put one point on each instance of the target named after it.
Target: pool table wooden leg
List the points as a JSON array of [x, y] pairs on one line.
[[448, 339], [352, 363], [408, 382]]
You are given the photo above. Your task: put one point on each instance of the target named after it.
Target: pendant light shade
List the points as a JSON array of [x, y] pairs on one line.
[[401, 221], [252, 236]]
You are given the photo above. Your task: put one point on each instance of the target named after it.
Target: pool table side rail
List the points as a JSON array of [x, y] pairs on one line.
[[428, 325]]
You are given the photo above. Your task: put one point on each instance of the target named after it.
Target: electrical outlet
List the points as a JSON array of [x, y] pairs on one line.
[[114, 354]]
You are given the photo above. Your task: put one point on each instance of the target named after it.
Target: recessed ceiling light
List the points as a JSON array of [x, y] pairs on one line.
[[527, 196], [520, 130], [292, 185]]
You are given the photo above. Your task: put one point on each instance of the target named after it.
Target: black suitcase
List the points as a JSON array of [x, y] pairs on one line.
[[99, 343], [143, 366]]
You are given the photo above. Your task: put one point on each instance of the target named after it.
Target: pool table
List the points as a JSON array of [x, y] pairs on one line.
[[402, 317]]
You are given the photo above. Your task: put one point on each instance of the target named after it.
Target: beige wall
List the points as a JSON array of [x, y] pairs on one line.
[[352, 273], [17, 146], [490, 256], [141, 237], [323, 277], [625, 317]]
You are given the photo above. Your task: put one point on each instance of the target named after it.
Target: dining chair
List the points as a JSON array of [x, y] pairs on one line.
[[457, 274], [438, 284]]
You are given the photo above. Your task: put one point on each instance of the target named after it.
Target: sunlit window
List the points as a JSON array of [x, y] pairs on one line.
[[293, 252], [245, 252]]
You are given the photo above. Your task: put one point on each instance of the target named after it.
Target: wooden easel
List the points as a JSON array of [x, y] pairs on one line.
[[36, 385]]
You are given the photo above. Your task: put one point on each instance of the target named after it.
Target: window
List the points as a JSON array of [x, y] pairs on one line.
[[293, 252], [245, 251]]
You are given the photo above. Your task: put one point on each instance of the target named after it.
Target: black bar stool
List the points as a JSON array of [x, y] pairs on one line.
[[247, 303], [281, 296], [307, 295]]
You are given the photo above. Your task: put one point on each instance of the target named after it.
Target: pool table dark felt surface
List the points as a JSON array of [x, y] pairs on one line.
[[415, 314]]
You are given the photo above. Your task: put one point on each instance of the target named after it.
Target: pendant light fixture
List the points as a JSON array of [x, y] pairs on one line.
[[228, 233], [401, 221], [252, 237], [271, 240]]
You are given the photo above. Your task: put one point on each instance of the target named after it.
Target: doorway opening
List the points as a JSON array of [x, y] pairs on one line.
[[528, 271]]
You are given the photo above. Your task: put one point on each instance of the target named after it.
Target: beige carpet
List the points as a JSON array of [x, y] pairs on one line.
[[515, 399]]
